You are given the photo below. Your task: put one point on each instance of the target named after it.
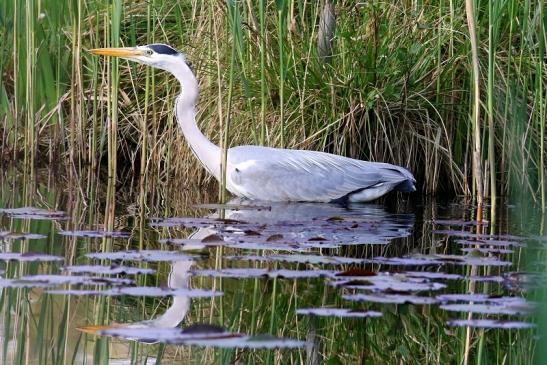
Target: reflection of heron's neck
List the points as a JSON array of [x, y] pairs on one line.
[[175, 314], [178, 279], [206, 152]]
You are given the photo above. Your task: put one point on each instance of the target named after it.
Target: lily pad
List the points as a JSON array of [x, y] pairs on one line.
[[490, 324], [144, 255], [257, 273], [457, 222], [486, 250], [386, 282], [488, 308], [490, 243], [482, 298], [33, 213], [108, 270], [53, 280], [390, 298], [337, 312], [6, 235], [407, 261], [29, 256], [432, 275], [96, 234], [143, 291], [309, 259]]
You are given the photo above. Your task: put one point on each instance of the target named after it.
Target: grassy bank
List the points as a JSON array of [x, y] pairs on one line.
[[395, 84]]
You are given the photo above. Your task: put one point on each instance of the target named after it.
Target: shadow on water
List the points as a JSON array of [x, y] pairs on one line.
[[256, 282]]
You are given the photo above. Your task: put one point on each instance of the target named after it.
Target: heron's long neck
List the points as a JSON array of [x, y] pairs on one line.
[[206, 152]]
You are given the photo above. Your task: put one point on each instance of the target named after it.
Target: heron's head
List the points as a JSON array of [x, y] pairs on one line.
[[156, 55]]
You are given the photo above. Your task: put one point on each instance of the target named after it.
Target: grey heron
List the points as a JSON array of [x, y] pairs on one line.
[[266, 173]]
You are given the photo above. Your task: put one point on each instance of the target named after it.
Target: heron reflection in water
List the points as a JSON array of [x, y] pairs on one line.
[[384, 227]]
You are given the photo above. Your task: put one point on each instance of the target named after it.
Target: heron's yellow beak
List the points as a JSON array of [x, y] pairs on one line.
[[93, 329], [118, 52]]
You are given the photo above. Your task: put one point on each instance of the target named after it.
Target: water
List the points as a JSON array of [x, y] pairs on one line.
[[184, 279]]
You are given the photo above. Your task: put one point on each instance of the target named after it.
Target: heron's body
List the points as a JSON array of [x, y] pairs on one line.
[[266, 173], [297, 175]]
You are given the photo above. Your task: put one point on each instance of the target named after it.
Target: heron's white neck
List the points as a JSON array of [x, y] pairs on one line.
[[206, 152]]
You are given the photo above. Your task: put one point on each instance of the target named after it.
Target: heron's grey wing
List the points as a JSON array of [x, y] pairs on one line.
[[297, 175]]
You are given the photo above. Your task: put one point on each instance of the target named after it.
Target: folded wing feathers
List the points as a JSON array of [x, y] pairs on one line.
[[305, 175]]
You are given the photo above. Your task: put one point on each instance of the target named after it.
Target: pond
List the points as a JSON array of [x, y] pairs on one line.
[[89, 276]]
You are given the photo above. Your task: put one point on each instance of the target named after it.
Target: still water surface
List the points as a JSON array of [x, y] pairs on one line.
[[176, 279]]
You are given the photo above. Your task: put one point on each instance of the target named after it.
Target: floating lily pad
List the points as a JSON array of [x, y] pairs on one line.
[[108, 270], [490, 243], [486, 250], [476, 261], [442, 259], [12, 283], [390, 298], [321, 245], [386, 282], [192, 222], [490, 324], [143, 291], [232, 273], [482, 298], [257, 273], [33, 213], [488, 308], [337, 312], [310, 259], [6, 235], [28, 256], [356, 272], [269, 246], [457, 222], [300, 274], [53, 280], [96, 234], [407, 261], [432, 275], [144, 255], [485, 279], [478, 236], [188, 242]]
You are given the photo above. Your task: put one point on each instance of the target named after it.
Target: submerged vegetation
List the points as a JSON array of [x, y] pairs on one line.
[[383, 81]]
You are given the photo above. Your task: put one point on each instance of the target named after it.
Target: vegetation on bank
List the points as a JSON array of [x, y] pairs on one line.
[[382, 81]]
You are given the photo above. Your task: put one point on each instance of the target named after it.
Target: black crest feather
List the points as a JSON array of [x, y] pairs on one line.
[[163, 49]]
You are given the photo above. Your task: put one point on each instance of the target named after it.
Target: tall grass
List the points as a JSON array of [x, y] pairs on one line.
[[398, 86]]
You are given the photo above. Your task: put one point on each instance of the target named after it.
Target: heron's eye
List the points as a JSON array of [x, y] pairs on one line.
[[149, 52]]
